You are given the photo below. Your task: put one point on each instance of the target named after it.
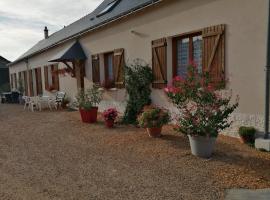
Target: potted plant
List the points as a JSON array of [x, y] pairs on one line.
[[247, 134], [204, 109], [153, 119], [109, 116], [87, 102]]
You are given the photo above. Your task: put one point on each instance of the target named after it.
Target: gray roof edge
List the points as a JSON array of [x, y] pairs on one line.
[[100, 25], [1, 57]]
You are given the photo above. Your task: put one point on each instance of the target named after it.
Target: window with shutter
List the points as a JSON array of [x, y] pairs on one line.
[[214, 53], [25, 83], [11, 81], [55, 76], [119, 67], [187, 49], [15, 81], [31, 89], [109, 70], [46, 74], [95, 69], [159, 63], [38, 81], [51, 78]]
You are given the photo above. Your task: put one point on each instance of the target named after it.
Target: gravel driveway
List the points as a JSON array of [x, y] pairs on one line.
[[52, 155]]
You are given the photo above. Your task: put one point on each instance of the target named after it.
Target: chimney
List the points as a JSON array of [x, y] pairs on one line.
[[46, 33]]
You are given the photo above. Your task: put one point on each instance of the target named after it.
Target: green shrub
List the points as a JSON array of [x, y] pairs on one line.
[[138, 77], [247, 131]]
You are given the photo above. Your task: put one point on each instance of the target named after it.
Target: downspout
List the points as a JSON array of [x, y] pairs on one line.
[[267, 81]]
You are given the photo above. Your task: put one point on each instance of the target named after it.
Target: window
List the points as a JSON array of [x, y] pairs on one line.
[[108, 8], [38, 81], [187, 49], [51, 78], [109, 69]]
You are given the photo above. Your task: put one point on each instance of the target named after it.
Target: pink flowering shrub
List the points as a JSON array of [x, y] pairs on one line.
[[204, 110], [110, 114]]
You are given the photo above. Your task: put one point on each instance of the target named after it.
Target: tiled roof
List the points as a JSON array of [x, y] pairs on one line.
[[89, 22]]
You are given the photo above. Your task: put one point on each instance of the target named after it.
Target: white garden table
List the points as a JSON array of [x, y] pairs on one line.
[[46, 100]]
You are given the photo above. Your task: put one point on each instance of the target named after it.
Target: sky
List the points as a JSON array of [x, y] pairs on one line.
[[22, 21]]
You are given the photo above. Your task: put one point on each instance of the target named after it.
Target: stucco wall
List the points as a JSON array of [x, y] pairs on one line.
[[246, 23]]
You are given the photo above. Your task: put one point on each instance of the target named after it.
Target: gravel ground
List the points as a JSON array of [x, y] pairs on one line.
[[52, 155]]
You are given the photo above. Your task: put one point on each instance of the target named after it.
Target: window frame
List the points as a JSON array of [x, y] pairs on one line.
[[108, 83], [51, 80], [174, 48]]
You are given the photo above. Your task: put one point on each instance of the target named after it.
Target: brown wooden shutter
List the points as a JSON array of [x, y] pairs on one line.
[[31, 92], [46, 71], [15, 80], [39, 81], [214, 53], [11, 81], [119, 67], [95, 69], [25, 83], [159, 63], [55, 77]]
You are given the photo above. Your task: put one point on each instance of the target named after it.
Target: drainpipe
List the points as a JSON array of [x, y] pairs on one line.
[[267, 81]]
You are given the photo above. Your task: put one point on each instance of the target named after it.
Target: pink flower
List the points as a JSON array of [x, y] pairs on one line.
[[178, 79], [193, 64], [173, 90]]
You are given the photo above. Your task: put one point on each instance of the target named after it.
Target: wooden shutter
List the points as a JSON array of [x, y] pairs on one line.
[[119, 67], [95, 69], [31, 92], [15, 80], [214, 53], [159, 63], [46, 76], [25, 83], [11, 81], [38, 81], [55, 77]]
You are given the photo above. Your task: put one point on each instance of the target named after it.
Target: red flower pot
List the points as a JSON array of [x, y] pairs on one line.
[[154, 132], [89, 116], [109, 123]]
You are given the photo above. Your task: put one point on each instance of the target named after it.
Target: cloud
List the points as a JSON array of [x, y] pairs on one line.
[[22, 22]]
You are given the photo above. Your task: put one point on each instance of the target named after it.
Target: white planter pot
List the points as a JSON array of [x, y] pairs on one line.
[[202, 146]]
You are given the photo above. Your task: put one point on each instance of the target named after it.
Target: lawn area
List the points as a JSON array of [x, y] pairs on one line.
[[52, 155]]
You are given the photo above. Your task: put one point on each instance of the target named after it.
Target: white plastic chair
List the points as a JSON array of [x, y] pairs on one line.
[[35, 103], [27, 101], [58, 100]]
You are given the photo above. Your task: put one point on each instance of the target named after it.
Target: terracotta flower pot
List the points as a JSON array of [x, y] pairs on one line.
[[89, 116], [154, 132], [109, 123]]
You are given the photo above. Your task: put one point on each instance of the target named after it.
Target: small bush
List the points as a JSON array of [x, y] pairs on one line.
[[247, 134], [138, 78]]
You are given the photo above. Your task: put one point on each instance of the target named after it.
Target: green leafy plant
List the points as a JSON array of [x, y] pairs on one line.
[[89, 98], [247, 134], [153, 117], [204, 109], [138, 77]]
